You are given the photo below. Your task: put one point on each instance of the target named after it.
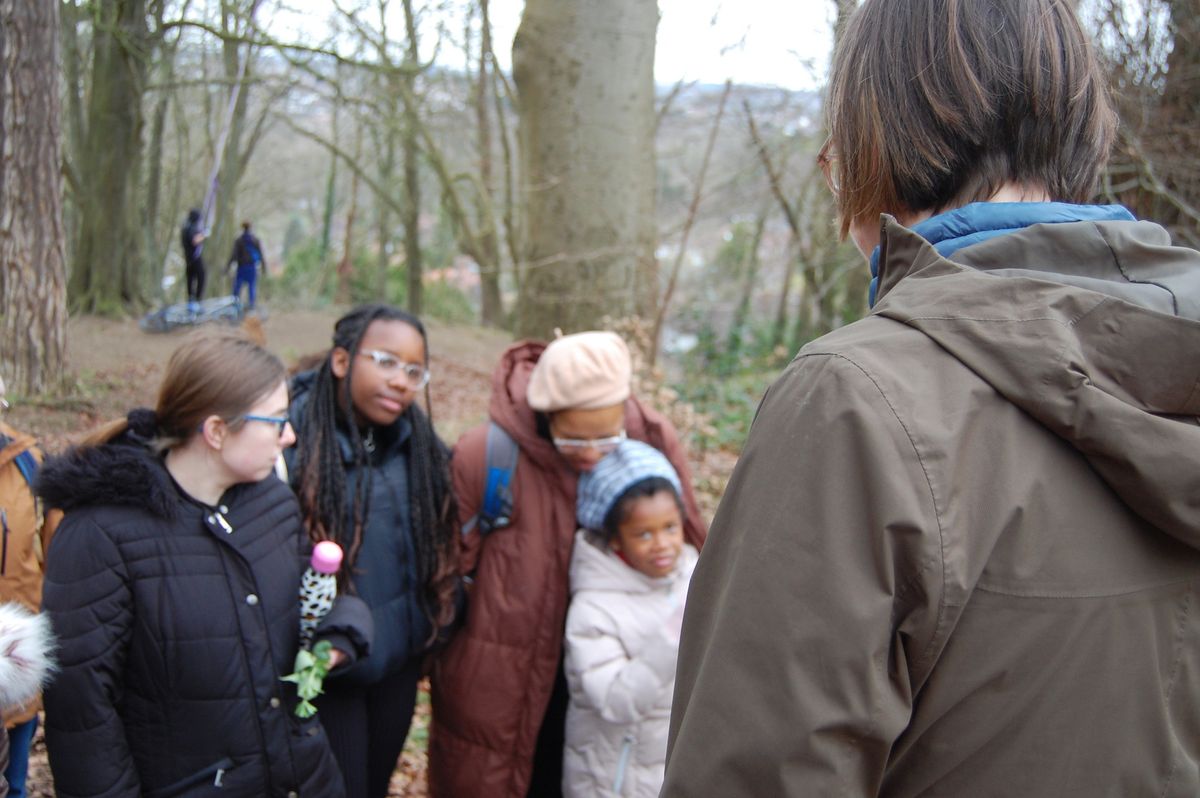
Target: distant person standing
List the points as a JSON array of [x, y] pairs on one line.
[[192, 237], [247, 254]]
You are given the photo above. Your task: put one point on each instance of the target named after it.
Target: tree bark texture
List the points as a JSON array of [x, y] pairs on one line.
[[412, 177], [585, 82], [235, 20], [491, 304], [32, 254], [104, 275]]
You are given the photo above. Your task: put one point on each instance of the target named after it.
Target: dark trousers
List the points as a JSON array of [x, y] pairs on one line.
[[195, 280], [546, 781], [366, 726], [247, 276]]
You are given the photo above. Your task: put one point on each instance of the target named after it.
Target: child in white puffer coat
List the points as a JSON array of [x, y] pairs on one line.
[[629, 578]]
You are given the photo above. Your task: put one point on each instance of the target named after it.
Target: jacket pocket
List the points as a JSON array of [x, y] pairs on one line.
[[213, 775]]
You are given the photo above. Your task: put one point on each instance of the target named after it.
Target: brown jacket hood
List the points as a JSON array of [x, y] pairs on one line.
[[1082, 363]]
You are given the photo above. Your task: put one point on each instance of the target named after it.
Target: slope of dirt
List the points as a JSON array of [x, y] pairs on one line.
[[114, 367]]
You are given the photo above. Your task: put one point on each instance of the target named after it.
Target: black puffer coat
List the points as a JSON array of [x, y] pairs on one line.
[[175, 623]]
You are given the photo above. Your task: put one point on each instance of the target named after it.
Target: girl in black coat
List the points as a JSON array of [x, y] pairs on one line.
[[172, 585], [372, 475]]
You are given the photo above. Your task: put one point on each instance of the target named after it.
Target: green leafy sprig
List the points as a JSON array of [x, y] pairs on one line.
[[311, 668]]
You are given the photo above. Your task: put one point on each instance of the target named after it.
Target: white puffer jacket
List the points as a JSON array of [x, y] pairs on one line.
[[622, 642]]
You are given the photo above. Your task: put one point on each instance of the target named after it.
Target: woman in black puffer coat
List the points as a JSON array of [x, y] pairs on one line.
[[172, 586]]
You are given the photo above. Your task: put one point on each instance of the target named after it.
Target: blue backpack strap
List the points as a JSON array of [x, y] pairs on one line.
[[26, 461], [27, 464], [495, 509]]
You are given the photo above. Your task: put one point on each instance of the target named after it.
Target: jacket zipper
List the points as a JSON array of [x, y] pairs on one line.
[[623, 762]]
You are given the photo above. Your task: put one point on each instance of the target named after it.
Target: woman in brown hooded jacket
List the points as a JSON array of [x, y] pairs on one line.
[[499, 698]]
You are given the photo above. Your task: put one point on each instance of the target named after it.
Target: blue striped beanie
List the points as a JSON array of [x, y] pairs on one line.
[[618, 471]]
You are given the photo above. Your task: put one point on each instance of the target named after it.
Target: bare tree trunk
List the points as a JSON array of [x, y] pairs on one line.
[[104, 278], [697, 194], [384, 211], [749, 279], [330, 196], [412, 181], [155, 243], [785, 290], [224, 229], [491, 310], [345, 268], [585, 77], [32, 260], [73, 93]]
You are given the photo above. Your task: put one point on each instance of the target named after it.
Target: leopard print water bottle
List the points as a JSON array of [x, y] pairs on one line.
[[318, 588]]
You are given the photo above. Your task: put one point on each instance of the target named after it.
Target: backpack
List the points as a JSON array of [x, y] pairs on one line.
[[26, 463], [495, 510], [252, 250]]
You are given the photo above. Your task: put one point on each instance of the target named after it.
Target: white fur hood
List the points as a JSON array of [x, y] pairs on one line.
[[26, 654]]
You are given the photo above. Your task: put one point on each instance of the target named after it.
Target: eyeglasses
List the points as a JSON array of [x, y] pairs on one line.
[[416, 374], [601, 445], [827, 159], [279, 421]]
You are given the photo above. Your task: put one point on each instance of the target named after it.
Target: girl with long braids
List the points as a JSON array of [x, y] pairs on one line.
[[372, 475]]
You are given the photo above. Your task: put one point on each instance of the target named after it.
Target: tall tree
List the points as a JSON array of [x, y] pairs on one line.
[[491, 306], [585, 81], [104, 276], [412, 154], [32, 256]]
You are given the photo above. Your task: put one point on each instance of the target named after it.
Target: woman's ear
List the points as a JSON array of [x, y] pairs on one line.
[[614, 542], [339, 362], [214, 429]]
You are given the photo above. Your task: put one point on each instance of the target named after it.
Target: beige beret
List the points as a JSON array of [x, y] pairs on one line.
[[584, 371]]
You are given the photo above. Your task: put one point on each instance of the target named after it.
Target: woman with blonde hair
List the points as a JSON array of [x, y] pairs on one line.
[[172, 586]]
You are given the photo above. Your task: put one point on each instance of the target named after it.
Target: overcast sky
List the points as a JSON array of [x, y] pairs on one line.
[[777, 42], [773, 42]]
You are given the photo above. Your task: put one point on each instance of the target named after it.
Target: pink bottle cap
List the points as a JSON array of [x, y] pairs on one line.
[[326, 557]]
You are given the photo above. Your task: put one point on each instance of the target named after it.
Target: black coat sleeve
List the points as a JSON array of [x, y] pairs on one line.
[[349, 627], [87, 597]]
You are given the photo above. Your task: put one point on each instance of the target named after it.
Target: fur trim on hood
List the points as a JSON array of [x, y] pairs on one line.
[[123, 472], [26, 654]]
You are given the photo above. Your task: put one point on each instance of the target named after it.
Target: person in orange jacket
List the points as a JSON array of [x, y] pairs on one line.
[[25, 531]]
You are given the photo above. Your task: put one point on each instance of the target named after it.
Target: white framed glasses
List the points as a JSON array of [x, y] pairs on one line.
[[415, 374], [279, 421], [601, 445]]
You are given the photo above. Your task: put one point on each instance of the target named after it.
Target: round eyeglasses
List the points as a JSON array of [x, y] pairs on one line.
[[415, 374]]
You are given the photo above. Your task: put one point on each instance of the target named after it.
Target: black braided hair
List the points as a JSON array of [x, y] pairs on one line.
[[321, 479]]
